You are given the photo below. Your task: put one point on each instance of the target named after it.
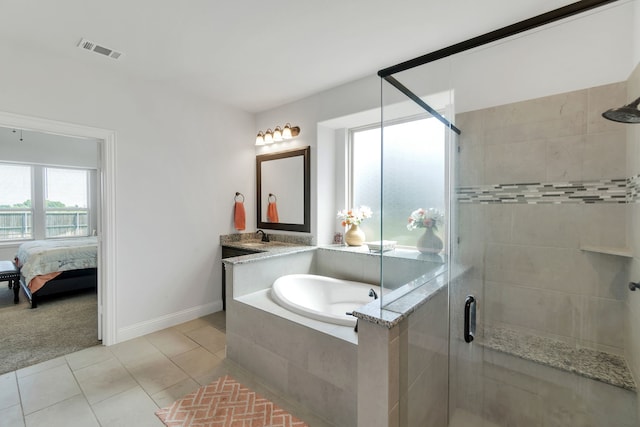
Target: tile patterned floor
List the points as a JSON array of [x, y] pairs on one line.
[[124, 384]]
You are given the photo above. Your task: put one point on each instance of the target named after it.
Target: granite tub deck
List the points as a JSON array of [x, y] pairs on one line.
[[596, 365]]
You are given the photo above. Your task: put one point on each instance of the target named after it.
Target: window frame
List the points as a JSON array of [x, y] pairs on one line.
[[349, 178], [38, 202]]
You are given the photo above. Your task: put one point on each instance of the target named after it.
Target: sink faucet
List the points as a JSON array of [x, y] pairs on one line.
[[265, 237]]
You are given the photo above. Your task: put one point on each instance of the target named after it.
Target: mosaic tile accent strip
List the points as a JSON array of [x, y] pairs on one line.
[[633, 189], [604, 191]]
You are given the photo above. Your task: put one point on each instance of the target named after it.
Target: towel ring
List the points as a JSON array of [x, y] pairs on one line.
[[275, 199], [238, 194]]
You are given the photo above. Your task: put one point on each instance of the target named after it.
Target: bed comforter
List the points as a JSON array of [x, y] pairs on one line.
[[42, 257]]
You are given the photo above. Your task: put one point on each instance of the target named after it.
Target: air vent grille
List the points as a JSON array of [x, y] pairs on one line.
[[94, 47]]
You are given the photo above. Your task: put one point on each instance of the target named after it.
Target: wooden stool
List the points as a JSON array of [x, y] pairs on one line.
[[10, 273]]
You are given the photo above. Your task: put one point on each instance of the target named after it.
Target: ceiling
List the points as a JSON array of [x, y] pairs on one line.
[[255, 54]]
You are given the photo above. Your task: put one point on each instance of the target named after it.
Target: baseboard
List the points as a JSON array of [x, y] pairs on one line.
[[167, 321]]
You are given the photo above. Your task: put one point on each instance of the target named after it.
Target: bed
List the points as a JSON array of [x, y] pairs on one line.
[[49, 267]]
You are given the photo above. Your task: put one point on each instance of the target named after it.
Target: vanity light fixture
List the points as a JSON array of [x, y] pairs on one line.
[[277, 135]]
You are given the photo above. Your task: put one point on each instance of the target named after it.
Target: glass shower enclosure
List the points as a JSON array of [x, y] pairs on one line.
[[518, 319]]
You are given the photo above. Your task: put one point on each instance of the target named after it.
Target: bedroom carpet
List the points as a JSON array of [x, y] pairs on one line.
[[59, 326], [225, 402]]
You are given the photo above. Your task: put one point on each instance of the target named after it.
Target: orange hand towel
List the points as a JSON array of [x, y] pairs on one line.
[[272, 212], [239, 216]]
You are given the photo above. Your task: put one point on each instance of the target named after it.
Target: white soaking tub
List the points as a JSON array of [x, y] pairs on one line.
[[322, 298]]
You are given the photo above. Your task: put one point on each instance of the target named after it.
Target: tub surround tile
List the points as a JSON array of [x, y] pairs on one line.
[[608, 368]]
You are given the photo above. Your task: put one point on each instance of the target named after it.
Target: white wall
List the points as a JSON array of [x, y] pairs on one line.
[[179, 161]]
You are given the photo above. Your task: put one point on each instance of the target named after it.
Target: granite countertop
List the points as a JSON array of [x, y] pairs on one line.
[[403, 301], [278, 244]]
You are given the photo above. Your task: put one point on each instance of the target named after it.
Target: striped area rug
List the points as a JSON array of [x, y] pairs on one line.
[[226, 403]]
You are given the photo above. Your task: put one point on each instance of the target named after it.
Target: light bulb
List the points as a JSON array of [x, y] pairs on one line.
[[277, 134], [268, 137]]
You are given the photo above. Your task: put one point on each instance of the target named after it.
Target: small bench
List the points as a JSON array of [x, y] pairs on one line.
[[10, 273], [597, 365]]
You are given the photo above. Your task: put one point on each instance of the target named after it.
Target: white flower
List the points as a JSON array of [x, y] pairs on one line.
[[429, 218], [354, 216]]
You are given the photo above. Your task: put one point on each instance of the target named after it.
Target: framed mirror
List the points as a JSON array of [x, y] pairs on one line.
[[283, 190]]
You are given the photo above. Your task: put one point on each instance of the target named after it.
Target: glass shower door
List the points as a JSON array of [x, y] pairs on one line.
[[415, 150]]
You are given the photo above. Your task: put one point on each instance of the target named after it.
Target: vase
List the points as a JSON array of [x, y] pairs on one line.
[[354, 236], [429, 243]]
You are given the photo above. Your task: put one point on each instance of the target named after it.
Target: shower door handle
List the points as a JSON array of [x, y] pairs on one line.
[[469, 318]]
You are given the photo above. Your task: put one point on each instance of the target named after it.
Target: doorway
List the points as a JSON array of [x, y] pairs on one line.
[[106, 203]]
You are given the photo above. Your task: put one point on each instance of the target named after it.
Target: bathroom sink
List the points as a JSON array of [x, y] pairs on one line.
[[258, 244], [254, 244]]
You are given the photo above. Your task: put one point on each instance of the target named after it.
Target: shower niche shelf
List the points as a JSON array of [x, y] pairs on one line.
[[623, 252]]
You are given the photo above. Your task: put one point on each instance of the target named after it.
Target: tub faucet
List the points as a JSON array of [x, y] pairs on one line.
[[373, 294], [265, 237]]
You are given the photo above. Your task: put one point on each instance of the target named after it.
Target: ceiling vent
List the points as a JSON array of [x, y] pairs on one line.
[[94, 47]]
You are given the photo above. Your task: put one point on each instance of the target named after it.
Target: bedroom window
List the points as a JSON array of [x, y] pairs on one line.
[[38, 202], [66, 202], [16, 207]]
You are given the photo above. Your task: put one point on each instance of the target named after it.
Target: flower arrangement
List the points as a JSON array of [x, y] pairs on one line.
[[425, 218], [354, 216]]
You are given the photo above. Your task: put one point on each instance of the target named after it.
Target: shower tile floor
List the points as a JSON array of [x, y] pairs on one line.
[[124, 384]]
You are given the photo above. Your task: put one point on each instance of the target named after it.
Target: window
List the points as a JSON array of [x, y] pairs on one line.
[[414, 175], [16, 208], [66, 202], [38, 202]]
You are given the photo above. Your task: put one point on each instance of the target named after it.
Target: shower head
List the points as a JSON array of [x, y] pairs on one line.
[[627, 114]]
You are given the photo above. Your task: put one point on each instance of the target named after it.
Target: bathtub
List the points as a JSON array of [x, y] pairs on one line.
[[322, 298]]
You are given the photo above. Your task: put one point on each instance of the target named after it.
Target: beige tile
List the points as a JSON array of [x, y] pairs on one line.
[[171, 342], [48, 387], [209, 338], [131, 350], [30, 370], [217, 320], [88, 356], [197, 363], [565, 158], [9, 395], [605, 225], [515, 163], [12, 416], [155, 373], [103, 380], [192, 324], [547, 225], [548, 312], [605, 156], [73, 412], [130, 408], [169, 395]]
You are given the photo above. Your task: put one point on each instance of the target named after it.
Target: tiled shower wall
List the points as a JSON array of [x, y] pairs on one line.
[[540, 179], [633, 298]]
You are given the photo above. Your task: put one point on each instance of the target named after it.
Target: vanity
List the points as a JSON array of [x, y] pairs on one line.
[[243, 244]]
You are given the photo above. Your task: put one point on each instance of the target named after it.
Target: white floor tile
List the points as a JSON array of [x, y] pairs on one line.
[[47, 388], [73, 412]]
